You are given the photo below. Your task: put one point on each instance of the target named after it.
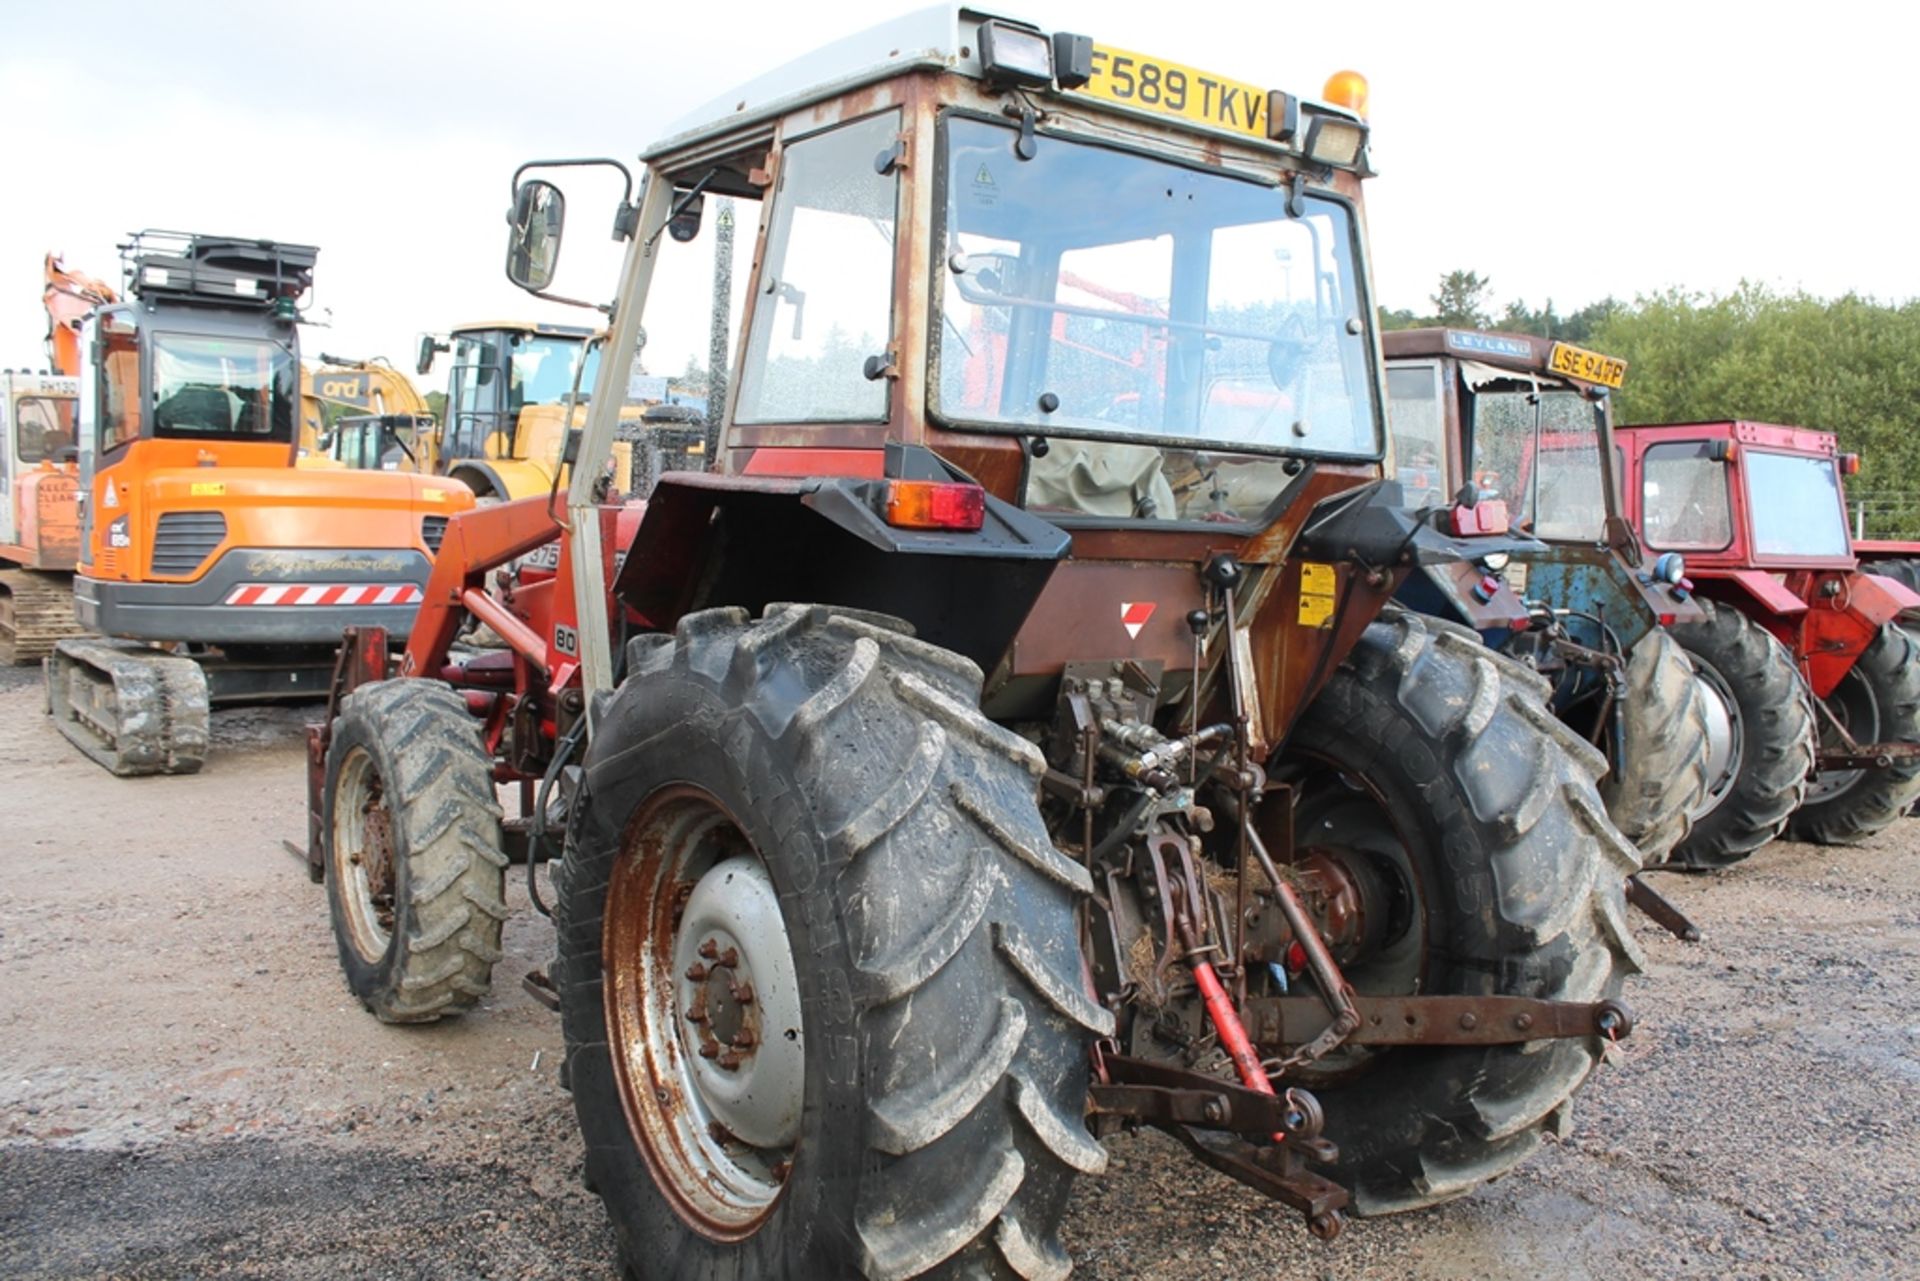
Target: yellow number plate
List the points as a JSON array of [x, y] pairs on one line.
[[1136, 80], [1587, 366]]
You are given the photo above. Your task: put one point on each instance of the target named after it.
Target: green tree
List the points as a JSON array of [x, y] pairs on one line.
[[1462, 300]]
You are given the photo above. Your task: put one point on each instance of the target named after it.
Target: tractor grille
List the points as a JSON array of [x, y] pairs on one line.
[[185, 540], [432, 530]]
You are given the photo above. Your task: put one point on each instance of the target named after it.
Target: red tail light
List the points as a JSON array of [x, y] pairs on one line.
[[933, 504]]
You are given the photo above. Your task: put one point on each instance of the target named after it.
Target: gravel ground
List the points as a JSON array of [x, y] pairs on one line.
[[187, 1089]]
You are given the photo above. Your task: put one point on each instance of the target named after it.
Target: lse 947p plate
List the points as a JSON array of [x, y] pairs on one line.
[[1587, 366]]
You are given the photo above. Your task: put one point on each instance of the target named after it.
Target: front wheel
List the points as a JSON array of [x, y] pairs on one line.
[[416, 881], [1878, 701], [819, 974], [1437, 763]]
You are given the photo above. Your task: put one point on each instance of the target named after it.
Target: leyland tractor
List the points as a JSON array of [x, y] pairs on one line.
[[1759, 513], [1522, 425], [1012, 737]]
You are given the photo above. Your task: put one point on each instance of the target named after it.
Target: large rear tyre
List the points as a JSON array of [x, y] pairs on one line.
[[1877, 702], [1661, 778], [1760, 730], [818, 967], [416, 881], [1904, 572], [1437, 761]]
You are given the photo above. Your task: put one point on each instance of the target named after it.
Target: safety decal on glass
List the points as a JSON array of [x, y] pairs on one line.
[[1317, 584]]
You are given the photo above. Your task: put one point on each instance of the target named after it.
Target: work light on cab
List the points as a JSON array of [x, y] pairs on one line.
[[933, 504], [1011, 55]]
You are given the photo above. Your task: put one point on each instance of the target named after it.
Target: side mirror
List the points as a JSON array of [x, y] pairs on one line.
[[685, 223], [533, 249], [428, 347]]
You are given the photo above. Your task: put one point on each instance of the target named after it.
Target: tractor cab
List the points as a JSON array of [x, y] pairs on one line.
[[507, 401], [1527, 423]]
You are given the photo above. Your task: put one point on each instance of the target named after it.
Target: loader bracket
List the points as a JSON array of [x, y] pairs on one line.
[[361, 659]]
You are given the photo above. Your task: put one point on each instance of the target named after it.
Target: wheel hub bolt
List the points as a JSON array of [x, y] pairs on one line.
[[742, 992], [697, 973]]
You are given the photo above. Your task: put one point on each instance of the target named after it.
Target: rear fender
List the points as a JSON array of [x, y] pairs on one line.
[[1846, 612], [710, 540]]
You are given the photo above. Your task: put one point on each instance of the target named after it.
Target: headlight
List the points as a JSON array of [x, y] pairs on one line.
[[1495, 561], [1015, 55], [1670, 568]]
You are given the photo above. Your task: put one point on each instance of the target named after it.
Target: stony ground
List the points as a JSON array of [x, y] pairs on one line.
[[187, 1090]]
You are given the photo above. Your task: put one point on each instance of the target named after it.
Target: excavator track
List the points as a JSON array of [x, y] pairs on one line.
[[133, 709], [36, 613]]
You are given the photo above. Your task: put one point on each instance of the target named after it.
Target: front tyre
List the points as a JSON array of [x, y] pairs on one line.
[[1437, 762], [1878, 701], [416, 880], [819, 977]]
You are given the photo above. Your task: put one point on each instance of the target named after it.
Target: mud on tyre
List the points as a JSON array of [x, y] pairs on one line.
[[1661, 778], [414, 870], [1439, 760], [802, 830]]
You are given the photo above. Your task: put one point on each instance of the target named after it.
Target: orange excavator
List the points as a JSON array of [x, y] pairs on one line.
[[39, 477], [210, 567]]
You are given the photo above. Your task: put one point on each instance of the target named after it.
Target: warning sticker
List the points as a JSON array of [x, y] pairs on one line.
[[985, 190], [1317, 586]]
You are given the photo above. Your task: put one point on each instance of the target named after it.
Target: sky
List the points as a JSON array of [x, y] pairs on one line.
[[1569, 153]]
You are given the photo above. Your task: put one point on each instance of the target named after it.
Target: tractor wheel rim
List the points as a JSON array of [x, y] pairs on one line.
[[703, 1013], [1726, 738], [1855, 707], [1349, 821], [363, 856]]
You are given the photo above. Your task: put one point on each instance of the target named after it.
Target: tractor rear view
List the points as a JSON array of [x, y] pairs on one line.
[[1759, 514], [1013, 738]]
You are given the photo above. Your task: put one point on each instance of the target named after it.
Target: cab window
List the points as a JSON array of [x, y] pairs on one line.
[[44, 427], [826, 294]]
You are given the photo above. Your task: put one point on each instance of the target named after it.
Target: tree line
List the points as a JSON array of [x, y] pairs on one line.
[[1848, 365]]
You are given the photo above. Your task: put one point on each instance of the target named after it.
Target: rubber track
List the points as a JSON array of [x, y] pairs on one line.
[[38, 615]]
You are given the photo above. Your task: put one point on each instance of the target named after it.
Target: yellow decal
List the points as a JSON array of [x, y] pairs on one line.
[[1136, 80], [1317, 587], [1587, 366], [206, 489], [433, 495]]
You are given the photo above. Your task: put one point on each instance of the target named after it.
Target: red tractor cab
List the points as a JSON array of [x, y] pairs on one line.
[[1758, 511]]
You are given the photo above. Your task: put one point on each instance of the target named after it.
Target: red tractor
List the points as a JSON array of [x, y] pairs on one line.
[[1758, 512], [978, 760]]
